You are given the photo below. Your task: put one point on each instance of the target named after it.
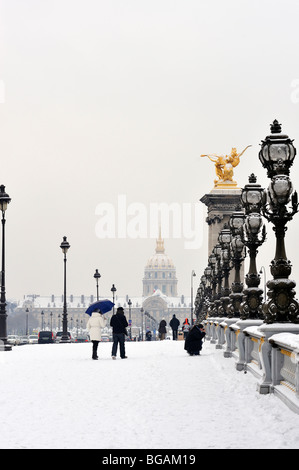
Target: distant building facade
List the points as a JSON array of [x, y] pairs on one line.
[[160, 273], [160, 299]]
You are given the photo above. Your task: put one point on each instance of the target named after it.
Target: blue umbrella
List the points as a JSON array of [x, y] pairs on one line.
[[103, 305]]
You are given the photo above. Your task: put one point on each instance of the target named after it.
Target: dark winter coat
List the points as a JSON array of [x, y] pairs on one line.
[[193, 341], [174, 323], [119, 323], [162, 326]]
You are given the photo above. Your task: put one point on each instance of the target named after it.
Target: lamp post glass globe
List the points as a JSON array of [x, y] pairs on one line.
[[65, 246], [277, 152], [4, 199], [113, 290], [253, 196], [280, 190], [253, 223], [97, 275]]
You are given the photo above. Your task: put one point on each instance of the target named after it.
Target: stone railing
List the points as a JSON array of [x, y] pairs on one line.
[[285, 368], [269, 351]]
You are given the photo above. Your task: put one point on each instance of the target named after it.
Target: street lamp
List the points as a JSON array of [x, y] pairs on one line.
[[224, 239], [253, 236], [192, 276], [113, 290], [42, 314], [213, 266], [277, 155], [4, 346], [65, 247], [97, 277], [130, 319], [219, 276], [237, 248], [141, 311], [51, 315], [27, 321]]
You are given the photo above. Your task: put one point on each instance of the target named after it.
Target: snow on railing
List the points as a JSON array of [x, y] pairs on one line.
[[269, 351]]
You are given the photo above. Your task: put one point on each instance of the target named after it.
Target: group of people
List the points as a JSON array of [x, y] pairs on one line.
[[193, 335], [174, 324]]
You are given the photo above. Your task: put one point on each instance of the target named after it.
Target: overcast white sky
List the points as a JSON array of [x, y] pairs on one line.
[[120, 97]]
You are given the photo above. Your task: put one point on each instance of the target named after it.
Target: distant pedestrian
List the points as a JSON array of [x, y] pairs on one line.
[[186, 327], [193, 341], [148, 335], [174, 324], [119, 324], [162, 329], [95, 325]]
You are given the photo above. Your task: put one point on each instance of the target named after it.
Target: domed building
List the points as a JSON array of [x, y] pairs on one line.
[[159, 300], [160, 273]]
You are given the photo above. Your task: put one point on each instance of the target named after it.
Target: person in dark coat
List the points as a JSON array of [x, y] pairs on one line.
[[119, 324], [193, 341], [174, 324], [162, 329]]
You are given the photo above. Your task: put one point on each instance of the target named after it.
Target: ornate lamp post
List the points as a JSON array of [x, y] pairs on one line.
[[237, 249], [200, 300], [277, 155], [213, 266], [192, 276], [208, 275], [219, 276], [97, 277], [225, 238], [113, 290], [207, 292], [4, 346], [65, 247], [253, 196]]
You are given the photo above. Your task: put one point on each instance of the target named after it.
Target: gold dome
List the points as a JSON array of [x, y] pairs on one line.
[[160, 260]]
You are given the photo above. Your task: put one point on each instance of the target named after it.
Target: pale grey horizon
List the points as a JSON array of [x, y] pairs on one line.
[[106, 98]]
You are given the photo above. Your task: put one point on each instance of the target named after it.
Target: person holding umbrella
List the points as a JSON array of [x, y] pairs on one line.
[[96, 323]]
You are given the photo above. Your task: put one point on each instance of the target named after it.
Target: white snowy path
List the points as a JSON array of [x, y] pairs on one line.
[[55, 396]]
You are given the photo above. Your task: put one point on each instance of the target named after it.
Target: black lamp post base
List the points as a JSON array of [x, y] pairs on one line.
[[251, 307], [234, 306], [281, 306], [224, 306]]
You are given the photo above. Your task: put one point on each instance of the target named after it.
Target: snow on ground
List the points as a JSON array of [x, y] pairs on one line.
[[56, 397]]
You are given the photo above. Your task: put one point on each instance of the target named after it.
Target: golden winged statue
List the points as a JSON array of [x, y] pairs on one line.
[[224, 166]]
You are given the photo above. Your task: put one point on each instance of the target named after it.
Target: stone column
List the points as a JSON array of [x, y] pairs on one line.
[[221, 203]]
